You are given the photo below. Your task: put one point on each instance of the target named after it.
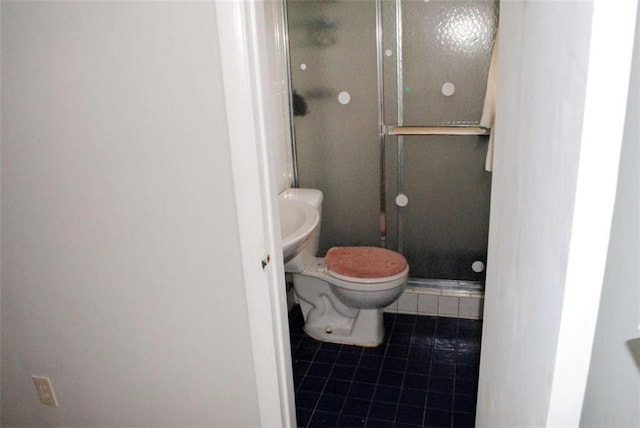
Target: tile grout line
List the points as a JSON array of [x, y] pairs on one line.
[[455, 375], [326, 381], [404, 374], [375, 389], [346, 398]]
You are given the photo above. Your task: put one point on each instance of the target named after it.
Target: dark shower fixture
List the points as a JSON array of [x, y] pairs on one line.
[[321, 31], [299, 104], [321, 23]]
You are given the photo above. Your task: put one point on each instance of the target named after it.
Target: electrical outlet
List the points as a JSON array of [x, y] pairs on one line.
[[45, 390]]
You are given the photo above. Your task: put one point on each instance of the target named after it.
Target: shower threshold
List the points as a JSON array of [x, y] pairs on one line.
[[447, 287]]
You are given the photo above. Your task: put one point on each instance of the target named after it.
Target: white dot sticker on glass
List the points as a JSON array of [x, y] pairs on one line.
[[402, 200], [344, 97], [448, 89], [388, 52], [477, 266], [303, 66]]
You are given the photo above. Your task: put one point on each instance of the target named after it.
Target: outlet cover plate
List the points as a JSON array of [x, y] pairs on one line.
[[45, 390]]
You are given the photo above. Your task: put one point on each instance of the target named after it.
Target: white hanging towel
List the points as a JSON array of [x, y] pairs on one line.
[[489, 108]]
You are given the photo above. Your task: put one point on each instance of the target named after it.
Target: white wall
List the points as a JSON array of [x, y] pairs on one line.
[[552, 197], [613, 391], [121, 270], [533, 188]]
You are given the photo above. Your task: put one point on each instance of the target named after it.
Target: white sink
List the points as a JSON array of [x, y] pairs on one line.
[[297, 221]]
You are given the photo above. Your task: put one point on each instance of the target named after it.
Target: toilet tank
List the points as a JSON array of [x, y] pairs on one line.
[[307, 256]]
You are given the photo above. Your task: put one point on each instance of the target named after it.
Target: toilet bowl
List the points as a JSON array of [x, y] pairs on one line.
[[342, 295]]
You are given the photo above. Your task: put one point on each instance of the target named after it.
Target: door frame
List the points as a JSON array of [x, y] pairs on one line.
[[243, 43]]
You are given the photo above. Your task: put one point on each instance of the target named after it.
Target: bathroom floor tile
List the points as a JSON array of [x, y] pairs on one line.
[[362, 391], [304, 354], [351, 421], [307, 399], [442, 385], [424, 374], [413, 397], [439, 401], [337, 387], [443, 369], [315, 384], [330, 403], [466, 386], [367, 375], [303, 416], [319, 369], [345, 373], [371, 361], [326, 356], [467, 372], [437, 418], [394, 364], [390, 378], [464, 404], [356, 407], [348, 358], [464, 420], [416, 381], [409, 415], [387, 394], [323, 419], [419, 367], [383, 411]]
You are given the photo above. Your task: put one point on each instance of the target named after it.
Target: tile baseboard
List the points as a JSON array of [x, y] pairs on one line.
[[441, 303], [417, 300]]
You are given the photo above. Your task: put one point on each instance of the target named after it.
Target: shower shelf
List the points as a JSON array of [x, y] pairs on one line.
[[437, 130]]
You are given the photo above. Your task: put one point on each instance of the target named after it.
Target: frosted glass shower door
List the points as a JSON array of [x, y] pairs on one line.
[[333, 71], [359, 68], [446, 222], [446, 51], [436, 76]]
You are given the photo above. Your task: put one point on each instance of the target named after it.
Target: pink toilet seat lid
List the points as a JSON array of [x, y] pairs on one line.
[[365, 262]]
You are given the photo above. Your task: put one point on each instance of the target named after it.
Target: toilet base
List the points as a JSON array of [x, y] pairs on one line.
[[364, 329], [348, 317]]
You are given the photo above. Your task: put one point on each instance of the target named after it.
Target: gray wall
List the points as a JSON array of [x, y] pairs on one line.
[[613, 388], [121, 271]]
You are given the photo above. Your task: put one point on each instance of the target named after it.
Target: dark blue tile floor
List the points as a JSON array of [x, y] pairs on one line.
[[424, 374]]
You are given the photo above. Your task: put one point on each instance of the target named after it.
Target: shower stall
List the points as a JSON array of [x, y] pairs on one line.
[[387, 100]]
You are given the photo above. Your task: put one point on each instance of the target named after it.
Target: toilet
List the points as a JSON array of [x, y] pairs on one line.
[[342, 295]]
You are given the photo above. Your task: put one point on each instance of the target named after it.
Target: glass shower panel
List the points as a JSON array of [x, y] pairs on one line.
[[333, 72], [434, 59], [446, 52], [447, 218]]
